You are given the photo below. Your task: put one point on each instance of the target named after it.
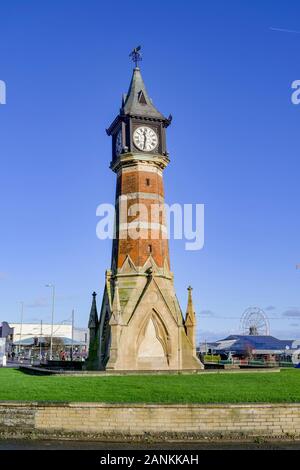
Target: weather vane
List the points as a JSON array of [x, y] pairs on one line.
[[136, 55]]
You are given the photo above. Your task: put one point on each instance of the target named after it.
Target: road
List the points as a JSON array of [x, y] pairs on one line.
[[12, 444]]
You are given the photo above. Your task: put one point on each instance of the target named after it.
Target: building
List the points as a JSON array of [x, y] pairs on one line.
[[60, 330], [6, 335], [257, 347], [141, 325], [33, 339]]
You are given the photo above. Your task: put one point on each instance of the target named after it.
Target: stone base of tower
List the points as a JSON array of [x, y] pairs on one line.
[[141, 324], [185, 360]]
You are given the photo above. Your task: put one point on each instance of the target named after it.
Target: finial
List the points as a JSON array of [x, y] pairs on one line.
[[94, 294], [190, 312], [136, 55]]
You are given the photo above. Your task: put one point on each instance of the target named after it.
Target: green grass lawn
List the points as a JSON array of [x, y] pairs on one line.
[[203, 388]]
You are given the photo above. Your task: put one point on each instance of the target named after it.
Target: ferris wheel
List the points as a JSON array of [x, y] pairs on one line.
[[254, 322]]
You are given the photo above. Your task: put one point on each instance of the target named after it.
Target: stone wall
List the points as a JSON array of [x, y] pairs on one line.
[[158, 420]]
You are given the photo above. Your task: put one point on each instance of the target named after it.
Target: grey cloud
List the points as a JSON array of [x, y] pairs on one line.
[[292, 312]]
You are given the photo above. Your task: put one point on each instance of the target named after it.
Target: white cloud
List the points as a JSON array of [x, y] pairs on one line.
[[38, 303], [211, 336], [206, 313]]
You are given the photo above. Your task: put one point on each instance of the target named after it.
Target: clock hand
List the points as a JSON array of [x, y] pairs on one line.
[[145, 139]]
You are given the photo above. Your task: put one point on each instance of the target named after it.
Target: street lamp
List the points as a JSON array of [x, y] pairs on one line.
[[72, 335], [21, 324], [52, 318]]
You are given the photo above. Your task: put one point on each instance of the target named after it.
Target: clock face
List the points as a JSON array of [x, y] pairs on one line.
[[145, 138], [119, 143]]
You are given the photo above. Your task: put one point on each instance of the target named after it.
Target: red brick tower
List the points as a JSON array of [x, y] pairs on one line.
[[139, 158], [141, 324]]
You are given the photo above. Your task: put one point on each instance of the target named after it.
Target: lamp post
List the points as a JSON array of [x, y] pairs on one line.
[[72, 335], [41, 340], [52, 318], [21, 325]]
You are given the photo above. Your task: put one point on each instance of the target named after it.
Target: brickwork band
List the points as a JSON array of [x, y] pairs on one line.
[[141, 223]]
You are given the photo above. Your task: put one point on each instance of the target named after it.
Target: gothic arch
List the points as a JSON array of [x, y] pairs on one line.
[[161, 333]]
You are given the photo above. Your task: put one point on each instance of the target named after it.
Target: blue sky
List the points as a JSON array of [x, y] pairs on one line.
[[234, 144]]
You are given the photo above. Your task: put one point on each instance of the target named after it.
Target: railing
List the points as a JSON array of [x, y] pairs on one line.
[[215, 359]]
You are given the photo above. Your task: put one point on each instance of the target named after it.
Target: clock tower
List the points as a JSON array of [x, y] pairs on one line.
[[141, 325]]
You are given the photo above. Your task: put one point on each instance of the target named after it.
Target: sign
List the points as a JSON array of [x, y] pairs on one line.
[[2, 350]]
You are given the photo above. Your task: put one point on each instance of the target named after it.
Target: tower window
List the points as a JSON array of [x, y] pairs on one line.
[[149, 248], [141, 98], [147, 181]]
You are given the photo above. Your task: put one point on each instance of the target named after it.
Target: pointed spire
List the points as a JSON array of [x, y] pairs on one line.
[[190, 321], [190, 318], [137, 101], [93, 320]]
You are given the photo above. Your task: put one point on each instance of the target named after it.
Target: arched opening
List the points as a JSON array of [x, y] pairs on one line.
[[153, 344]]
